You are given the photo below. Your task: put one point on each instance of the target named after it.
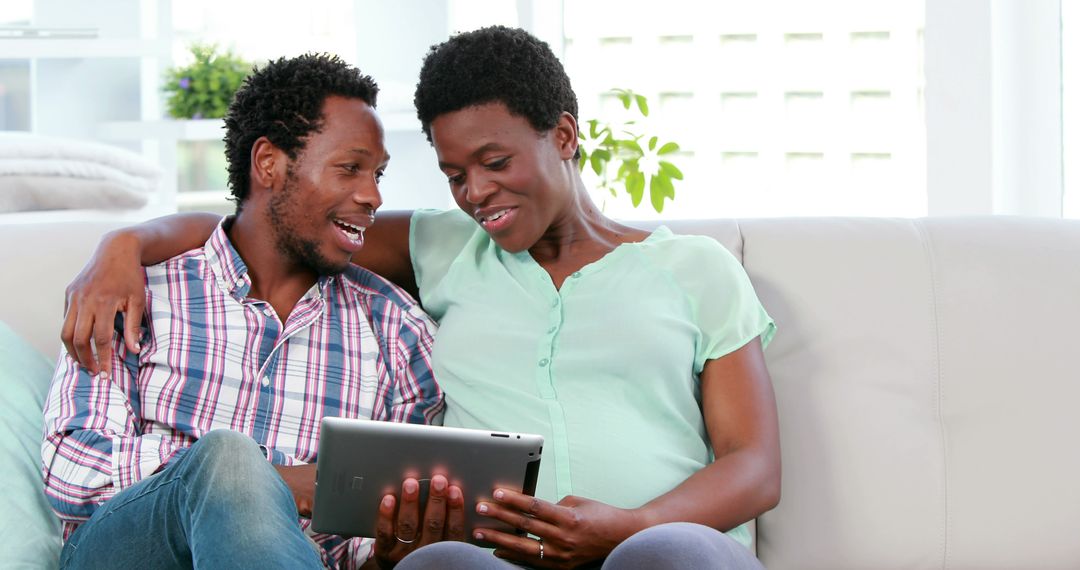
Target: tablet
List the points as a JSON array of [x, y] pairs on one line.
[[361, 461]]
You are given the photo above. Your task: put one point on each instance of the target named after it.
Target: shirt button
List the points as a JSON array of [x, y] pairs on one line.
[[265, 381], [575, 274], [554, 302], [552, 329], [543, 362]]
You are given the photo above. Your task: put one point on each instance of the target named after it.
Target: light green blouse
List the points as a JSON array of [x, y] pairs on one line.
[[605, 368]]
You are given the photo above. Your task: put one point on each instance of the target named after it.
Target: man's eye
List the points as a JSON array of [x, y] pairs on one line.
[[351, 168], [456, 178], [379, 175]]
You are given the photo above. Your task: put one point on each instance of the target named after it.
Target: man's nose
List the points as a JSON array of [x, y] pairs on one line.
[[367, 193]]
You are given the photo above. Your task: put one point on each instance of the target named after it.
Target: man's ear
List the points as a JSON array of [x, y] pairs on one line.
[[566, 135], [266, 159]]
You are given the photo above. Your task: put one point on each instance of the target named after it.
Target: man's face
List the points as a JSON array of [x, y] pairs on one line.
[[331, 191]]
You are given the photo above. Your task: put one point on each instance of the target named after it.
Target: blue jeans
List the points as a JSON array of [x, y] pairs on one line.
[[681, 546], [219, 505]]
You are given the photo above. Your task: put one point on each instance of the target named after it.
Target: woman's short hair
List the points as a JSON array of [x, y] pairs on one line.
[[494, 64]]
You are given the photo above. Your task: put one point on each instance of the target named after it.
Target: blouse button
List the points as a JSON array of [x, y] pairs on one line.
[[552, 329], [575, 274], [543, 362]]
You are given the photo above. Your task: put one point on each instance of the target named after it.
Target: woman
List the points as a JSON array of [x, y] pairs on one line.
[[637, 355]]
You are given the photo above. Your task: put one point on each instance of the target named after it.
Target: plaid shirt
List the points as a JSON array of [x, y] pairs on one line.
[[211, 357]]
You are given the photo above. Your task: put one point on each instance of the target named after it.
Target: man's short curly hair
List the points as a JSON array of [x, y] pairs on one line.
[[494, 64], [283, 101]]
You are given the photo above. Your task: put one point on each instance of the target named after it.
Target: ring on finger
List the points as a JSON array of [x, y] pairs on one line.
[[540, 542], [403, 541]]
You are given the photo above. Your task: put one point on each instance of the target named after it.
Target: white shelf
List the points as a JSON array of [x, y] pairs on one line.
[[69, 48], [185, 130], [201, 198]]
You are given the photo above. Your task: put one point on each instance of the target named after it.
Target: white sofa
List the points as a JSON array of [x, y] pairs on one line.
[[927, 374]]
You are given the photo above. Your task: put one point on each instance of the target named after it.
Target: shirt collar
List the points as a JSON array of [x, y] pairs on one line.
[[231, 271], [225, 262]]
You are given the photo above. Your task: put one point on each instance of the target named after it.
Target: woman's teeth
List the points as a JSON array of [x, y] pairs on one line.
[[495, 216]]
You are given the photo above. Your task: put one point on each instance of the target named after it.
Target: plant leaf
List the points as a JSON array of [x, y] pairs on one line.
[[642, 105], [652, 143], [656, 194], [668, 148], [635, 186], [670, 170], [597, 163]]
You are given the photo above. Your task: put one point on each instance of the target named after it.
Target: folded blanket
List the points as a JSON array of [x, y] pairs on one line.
[[50, 173], [19, 145], [74, 169]]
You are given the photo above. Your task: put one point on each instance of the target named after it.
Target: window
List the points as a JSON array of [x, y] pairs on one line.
[[782, 107]]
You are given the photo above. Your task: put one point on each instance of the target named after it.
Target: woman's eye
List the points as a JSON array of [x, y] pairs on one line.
[[497, 164]]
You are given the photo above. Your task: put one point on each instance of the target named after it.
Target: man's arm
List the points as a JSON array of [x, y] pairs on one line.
[[92, 447], [112, 281]]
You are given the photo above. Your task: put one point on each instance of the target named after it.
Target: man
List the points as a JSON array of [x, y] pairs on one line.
[[196, 450]]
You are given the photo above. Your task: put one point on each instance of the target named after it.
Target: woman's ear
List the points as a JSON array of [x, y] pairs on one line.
[[566, 135], [264, 161]]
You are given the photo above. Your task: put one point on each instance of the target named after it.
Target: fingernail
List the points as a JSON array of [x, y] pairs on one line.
[[454, 493], [438, 484], [499, 493], [138, 347], [478, 535], [103, 375], [410, 486], [387, 501], [481, 508]]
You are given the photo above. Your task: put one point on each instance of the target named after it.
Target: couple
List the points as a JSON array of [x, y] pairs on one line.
[[638, 356]]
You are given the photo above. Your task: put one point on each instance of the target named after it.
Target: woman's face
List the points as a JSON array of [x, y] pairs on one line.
[[514, 181]]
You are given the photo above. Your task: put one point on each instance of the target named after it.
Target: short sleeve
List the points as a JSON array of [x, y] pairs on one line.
[[436, 238], [724, 305]]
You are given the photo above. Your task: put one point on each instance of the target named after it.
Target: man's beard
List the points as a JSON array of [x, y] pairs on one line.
[[284, 210]]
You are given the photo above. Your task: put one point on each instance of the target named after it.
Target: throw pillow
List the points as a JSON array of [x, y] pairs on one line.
[[29, 532]]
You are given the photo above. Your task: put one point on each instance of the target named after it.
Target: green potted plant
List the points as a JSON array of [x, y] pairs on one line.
[[627, 155], [204, 88]]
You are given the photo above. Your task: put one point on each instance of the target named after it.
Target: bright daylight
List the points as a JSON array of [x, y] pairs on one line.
[[480, 284]]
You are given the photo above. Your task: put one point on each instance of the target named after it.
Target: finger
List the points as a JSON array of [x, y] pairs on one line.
[[84, 326], [516, 519], [537, 508], [132, 320], [408, 515], [384, 527], [455, 514], [434, 511], [67, 332], [103, 336], [512, 547]]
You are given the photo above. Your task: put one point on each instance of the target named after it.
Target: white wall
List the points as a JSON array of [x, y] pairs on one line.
[[993, 107]]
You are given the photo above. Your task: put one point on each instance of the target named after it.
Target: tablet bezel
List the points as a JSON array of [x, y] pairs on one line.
[[382, 454]]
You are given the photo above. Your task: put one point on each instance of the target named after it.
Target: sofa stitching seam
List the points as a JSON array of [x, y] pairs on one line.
[[928, 250]]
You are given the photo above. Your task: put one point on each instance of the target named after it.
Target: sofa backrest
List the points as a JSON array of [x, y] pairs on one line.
[[38, 259], [927, 375]]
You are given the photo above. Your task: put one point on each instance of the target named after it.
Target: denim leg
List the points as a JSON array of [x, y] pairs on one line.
[[220, 505], [683, 546]]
